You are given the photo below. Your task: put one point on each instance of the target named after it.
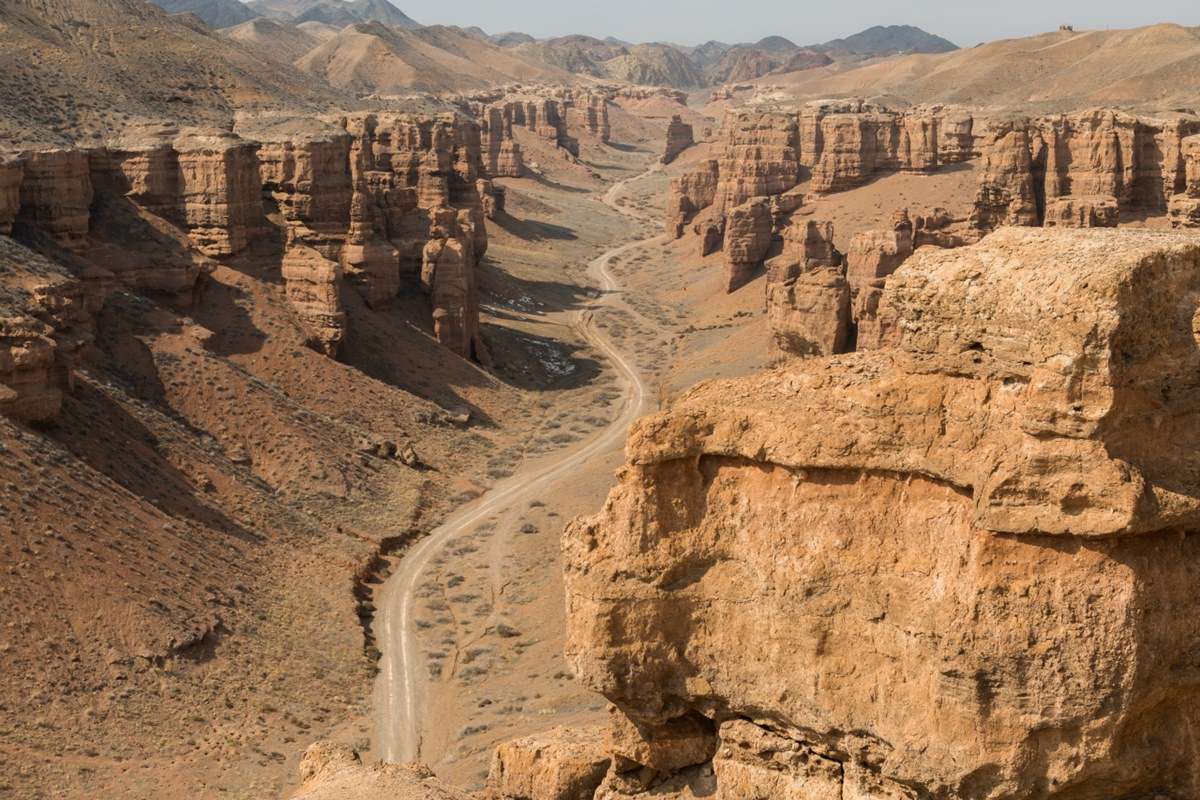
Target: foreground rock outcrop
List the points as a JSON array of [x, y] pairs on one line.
[[331, 771], [961, 566]]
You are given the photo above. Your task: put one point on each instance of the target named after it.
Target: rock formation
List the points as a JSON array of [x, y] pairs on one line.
[[383, 203], [46, 325], [808, 296], [220, 191], [560, 764], [335, 772], [11, 170], [748, 233], [308, 178], [873, 255], [848, 145], [689, 194], [759, 158], [416, 189], [595, 112], [679, 138], [923, 571], [1184, 207], [1082, 211], [503, 154], [1056, 169], [56, 194]]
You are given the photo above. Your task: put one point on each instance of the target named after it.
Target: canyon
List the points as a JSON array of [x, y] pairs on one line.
[[399, 410]]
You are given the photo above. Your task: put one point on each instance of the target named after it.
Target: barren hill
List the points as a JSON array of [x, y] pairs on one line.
[[1151, 67], [279, 40], [335, 12], [76, 69], [215, 13], [655, 65], [371, 57], [890, 39]]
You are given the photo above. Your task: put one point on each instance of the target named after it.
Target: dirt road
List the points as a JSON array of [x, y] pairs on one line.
[[399, 689]]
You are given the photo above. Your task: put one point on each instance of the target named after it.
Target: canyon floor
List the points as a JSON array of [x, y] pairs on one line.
[[471, 626]]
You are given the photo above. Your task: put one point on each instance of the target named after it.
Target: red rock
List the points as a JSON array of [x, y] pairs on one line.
[[748, 234], [679, 138], [220, 190], [56, 194], [808, 296], [689, 194], [11, 171]]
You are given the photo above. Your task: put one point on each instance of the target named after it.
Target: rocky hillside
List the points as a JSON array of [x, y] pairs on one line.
[[1155, 68], [79, 70], [338, 13], [214, 13]]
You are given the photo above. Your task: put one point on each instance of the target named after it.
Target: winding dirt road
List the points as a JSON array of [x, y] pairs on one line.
[[402, 669]]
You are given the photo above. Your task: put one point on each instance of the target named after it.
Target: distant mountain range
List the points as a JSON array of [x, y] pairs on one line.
[[387, 58]]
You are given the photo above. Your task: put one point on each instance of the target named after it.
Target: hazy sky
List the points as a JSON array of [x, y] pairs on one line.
[[964, 23]]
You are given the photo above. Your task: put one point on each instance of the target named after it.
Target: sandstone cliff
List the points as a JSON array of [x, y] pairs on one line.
[[1050, 168], [385, 204], [954, 568], [46, 325], [679, 138], [1184, 208], [808, 296]]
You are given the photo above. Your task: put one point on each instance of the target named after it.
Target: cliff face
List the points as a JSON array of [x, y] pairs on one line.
[[760, 157], [386, 205], [1081, 169], [850, 144], [416, 196], [1050, 168], [46, 327], [1183, 208], [923, 571], [808, 296]]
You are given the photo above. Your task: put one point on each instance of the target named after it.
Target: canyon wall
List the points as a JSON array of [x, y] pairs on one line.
[[1083, 169], [958, 567], [1087, 169], [1071, 169], [550, 112], [382, 204]]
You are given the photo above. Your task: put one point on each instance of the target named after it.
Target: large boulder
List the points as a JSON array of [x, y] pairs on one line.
[[959, 567]]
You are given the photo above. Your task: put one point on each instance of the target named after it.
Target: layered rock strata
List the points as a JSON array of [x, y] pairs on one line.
[[56, 194], [308, 179], [690, 194], [416, 193], [923, 571], [11, 171], [1049, 168], [561, 764], [386, 204], [748, 234], [679, 138], [1184, 208], [807, 294], [1086, 211], [47, 324]]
